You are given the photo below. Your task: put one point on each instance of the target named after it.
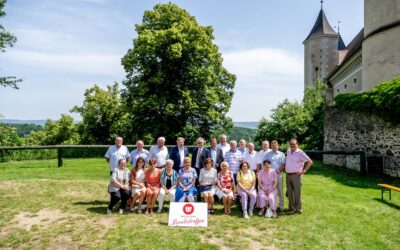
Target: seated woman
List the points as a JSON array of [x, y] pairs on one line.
[[119, 187], [138, 186], [246, 180], [207, 181], [186, 182], [267, 193], [152, 176], [169, 181], [226, 187]]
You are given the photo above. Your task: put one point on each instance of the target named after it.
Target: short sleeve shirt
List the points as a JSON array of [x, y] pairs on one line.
[[246, 179], [295, 161], [115, 154]]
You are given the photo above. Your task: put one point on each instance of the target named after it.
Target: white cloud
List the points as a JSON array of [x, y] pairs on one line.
[[89, 63], [263, 62], [265, 77]]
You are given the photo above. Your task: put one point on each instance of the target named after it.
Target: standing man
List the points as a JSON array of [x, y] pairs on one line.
[[277, 159], [242, 146], [199, 155], [251, 157], [139, 152], [261, 154], [159, 152], [216, 154], [178, 153], [115, 153], [295, 169], [223, 145], [234, 158]]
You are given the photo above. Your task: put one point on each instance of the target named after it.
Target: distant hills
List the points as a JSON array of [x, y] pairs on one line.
[[12, 121], [252, 125]]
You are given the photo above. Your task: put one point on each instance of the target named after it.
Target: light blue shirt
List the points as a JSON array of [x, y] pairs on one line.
[[135, 154], [276, 158]]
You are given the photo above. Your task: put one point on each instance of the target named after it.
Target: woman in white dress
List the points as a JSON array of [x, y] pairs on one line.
[[207, 183], [138, 187]]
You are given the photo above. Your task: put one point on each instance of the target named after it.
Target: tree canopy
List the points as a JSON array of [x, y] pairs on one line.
[[301, 120], [103, 114], [6, 40], [175, 82]]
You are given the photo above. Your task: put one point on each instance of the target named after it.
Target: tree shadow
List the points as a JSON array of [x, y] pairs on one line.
[[349, 177], [392, 205]]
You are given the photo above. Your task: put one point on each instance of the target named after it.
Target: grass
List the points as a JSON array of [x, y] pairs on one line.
[[45, 207]]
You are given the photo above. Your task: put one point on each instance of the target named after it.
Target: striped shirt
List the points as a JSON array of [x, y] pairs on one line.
[[234, 158]]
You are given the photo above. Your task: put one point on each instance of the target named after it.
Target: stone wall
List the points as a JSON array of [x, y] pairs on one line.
[[352, 131]]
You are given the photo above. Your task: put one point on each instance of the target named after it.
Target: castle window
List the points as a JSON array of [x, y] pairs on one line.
[[345, 86], [355, 81], [337, 91]]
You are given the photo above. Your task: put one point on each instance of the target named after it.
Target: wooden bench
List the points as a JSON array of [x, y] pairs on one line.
[[389, 188]]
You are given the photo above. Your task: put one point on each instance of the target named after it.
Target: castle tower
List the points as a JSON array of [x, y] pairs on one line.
[[321, 50], [381, 45]]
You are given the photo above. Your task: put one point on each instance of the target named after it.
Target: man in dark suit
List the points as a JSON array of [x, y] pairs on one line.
[[178, 153], [216, 154], [199, 155]]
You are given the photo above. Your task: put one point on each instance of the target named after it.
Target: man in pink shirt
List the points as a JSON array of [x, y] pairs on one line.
[[295, 169]]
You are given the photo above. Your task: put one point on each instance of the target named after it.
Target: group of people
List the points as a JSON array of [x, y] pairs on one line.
[[224, 171]]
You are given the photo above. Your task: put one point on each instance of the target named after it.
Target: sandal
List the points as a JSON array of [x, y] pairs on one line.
[[212, 211]]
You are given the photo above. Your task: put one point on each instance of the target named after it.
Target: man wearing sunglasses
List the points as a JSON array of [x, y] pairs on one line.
[[295, 169]]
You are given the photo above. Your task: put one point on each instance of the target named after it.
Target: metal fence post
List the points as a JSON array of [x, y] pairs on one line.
[[59, 157]]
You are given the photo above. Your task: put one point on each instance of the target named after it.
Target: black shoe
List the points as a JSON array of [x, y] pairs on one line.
[[288, 210]]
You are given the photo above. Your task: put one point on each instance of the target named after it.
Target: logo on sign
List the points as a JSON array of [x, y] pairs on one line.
[[188, 209]]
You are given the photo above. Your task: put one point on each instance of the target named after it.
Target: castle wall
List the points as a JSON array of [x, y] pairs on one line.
[[381, 57], [349, 131], [380, 13], [349, 78]]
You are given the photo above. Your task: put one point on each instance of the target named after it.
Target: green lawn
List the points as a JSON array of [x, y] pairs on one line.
[[43, 206]]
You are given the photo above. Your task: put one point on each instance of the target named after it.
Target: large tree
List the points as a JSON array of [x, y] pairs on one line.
[[175, 83], [103, 115], [6, 39]]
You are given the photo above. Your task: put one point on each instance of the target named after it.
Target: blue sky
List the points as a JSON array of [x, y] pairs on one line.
[[67, 46]]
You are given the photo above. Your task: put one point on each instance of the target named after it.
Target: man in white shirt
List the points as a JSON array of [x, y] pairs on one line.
[[250, 156], [225, 147], [159, 152], [139, 152], [116, 152], [261, 154]]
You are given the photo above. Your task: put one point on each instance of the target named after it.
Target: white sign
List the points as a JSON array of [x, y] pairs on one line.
[[187, 214]]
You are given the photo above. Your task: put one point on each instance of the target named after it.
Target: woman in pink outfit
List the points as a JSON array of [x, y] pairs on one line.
[[267, 192]]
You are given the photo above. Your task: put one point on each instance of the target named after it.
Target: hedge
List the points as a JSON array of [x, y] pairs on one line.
[[383, 100]]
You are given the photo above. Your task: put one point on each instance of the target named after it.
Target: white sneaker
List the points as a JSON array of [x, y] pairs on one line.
[[260, 212], [245, 215], [250, 213], [274, 214], [109, 211], [121, 211], [159, 210], [268, 214]]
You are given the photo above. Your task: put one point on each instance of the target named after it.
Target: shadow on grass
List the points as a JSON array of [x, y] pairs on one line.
[[95, 202], [100, 206], [97, 210], [349, 177], [392, 205]]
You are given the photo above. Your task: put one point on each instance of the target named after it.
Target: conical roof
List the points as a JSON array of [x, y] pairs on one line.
[[341, 45], [321, 27]]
